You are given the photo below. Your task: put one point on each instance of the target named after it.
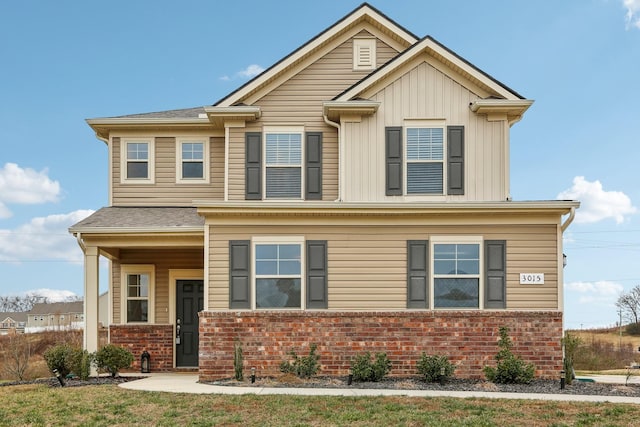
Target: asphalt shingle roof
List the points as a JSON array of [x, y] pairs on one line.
[[141, 217]]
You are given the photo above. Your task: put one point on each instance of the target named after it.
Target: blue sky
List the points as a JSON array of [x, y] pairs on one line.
[[65, 61]]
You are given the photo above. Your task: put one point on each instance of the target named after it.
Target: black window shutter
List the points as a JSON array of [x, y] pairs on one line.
[[239, 273], [317, 274], [417, 262], [393, 153], [495, 252], [455, 160], [313, 178], [253, 165]]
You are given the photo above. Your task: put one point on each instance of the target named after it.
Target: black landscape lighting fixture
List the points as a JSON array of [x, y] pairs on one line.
[[145, 362], [59, 377], [253, 375], [562, 379]]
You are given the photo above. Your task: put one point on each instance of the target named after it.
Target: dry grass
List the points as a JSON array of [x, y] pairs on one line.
[[109, 405]]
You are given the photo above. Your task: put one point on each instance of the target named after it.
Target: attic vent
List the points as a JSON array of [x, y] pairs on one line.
[[364, 54]]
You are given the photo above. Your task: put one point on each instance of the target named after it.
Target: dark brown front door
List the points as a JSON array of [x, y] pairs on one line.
[[189, 301]]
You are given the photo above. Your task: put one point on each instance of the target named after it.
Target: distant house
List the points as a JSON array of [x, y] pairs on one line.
[[355, 195], [55, 316], [12, 322]]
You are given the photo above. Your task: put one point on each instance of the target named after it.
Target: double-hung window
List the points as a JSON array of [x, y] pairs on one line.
[[192, 156], [137, 161], [456, 274], [283, 164], [278, 275], [137, 293], [425, 160]]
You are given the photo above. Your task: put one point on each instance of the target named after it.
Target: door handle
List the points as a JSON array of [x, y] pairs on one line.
[[178, 331]]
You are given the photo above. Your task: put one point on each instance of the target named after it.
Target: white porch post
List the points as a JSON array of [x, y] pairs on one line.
[[91, 291]]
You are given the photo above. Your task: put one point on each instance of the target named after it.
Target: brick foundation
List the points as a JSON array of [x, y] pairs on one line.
[[468, 338], [156, 339]]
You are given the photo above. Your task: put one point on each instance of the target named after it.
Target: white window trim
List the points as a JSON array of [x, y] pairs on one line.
[[417, 124], [364, 43], [127, 269], [150, 161], [283, 129], [438, 240], [279, 240], [205, 161]]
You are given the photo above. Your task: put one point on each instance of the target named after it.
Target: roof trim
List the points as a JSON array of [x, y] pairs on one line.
[[361, 12], [514, 109], [137, 230], [334, 109], [102, 127], [432, 46]]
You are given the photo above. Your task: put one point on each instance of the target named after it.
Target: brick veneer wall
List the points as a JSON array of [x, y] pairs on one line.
[[156, 339], [468, 338]]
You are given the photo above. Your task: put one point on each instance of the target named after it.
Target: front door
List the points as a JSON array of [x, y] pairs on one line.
[[189, 301]]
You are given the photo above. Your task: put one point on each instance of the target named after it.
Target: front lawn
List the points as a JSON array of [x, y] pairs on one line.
[[108, 405]]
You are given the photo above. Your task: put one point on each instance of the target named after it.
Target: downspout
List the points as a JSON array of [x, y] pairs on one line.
[[80, 242], [340, 156], [569, 220]]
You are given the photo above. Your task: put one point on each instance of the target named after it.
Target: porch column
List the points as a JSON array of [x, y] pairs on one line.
[[91, 291]]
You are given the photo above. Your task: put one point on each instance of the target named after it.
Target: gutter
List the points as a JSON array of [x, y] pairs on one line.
[[340, 154], [81, 242]]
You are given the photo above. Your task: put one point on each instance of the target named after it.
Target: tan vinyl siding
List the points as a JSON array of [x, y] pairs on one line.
[[298, 101], [425, 92], [165, 191], [164, 260], [367, 264]]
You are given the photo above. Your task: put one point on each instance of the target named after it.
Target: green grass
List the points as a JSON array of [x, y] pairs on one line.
[[108, 405]]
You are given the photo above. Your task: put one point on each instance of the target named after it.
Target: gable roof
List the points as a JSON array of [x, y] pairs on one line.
[[363, 13], [57, 308], [16, 316], [123, 218]]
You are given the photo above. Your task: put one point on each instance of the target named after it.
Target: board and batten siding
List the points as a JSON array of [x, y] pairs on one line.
[[165, 191], [164, 260], [367, 267], [425, 93], [299, 102]]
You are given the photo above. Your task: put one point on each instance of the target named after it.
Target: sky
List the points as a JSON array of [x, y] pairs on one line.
[[65, 61]]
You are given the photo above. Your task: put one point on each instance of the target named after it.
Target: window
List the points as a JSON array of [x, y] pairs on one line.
[[278, 275], [283, 166], [364, 54], [137, 161], [137, 293], [192, 161], [425, 160], [456, 275]]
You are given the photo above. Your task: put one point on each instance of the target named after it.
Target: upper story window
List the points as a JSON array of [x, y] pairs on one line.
[[137, 161], [425, 160], [364, 53], [283, 164], [137, 289], [192, 157]]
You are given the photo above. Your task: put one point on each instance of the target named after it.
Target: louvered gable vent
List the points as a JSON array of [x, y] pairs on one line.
[[364, 54]]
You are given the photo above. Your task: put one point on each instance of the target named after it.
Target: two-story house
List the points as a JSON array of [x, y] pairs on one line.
[[354, 195]]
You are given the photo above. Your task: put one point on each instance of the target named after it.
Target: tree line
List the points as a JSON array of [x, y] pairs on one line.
[[21, 303]]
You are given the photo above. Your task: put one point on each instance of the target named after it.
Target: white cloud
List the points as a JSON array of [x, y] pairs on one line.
[[249, 72], [633, 13], [25, 186], [596, 204], [601, 292], [43, 238], [53, 295]]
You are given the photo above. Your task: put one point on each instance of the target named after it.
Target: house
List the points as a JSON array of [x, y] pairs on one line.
[[55, 316], [354, 195], [13, 322]]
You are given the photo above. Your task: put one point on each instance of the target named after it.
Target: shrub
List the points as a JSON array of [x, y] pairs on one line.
[[435, 368], [60, 358], [16, 353], [112, 358], [571, 343], [81, 363], [510, 369], [633, 329], [364, 370], [303, 367], [238, 361]]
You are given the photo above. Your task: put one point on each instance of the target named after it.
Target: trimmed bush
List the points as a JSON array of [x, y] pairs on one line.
[[112, 359], [81, 363], [510, 369], [303, 367], [363, 369], [571, 344], [435, 368], [238, 362], [60, 358]]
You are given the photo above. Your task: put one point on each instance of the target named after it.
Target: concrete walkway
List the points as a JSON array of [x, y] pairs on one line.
[[188, 383]]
